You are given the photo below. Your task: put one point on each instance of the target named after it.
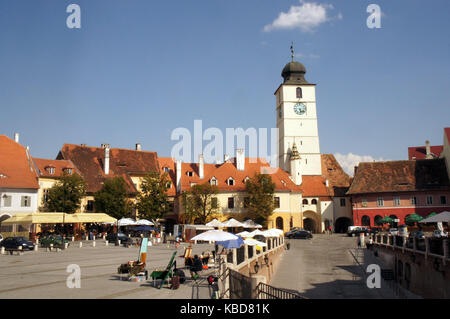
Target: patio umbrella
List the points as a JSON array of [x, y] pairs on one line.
[[144, 228], [243, 234], [271, 233], [386, 220], [251, 224], [126, 222], [413, 218], [254, 242], [432, 214], [233, 243], [443, 217], [144, 222], [215, 235], [233, 223], [215, 223], [255, 232]]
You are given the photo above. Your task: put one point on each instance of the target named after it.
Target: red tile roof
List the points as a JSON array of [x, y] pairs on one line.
[[339, 181], [90, 162], [398, 176], [420, 152], [16, 167], [58, 165], [314, 186]]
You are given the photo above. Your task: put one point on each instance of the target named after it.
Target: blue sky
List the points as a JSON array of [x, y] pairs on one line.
[[138, 69]]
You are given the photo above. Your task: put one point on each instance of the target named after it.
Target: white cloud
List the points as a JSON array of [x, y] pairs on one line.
[[306, 17], [350, 160], [307, 56]]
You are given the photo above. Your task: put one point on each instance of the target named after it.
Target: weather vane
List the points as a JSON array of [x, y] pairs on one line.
[[292, 51]]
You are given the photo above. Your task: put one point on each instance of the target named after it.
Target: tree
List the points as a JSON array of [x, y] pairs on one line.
[[260, 190], [199, 203], [112, 198], [152, 201], [65, 196]]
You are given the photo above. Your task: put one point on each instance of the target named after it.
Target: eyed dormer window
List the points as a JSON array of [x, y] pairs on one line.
[[230, 181], [213, 181], [190, 174]]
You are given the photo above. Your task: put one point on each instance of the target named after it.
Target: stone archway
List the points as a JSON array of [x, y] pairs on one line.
[[341, 225], [311, 221]]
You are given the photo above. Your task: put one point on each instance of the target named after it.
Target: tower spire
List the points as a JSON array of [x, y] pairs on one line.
[[292, 51]]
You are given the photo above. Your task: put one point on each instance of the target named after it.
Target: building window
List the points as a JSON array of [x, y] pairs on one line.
[[50, 170], [364, 202], [429, 200], [190, 174], [314, 202], [246, 202], [443, 200], [380, 201], [230, 181], [230, 202], [305, 202], [90, 206], [365, 220], [68, 171], [280, 113], [168, 185], [277, 202], [299, 93], [7, 200], [396, 201], [214, 202], [166, 169], [413, 200], [26, 201], [343, 202], [45, 196], [213, 181]]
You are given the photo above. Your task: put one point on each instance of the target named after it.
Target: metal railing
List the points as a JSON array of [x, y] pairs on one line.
[[264, 291]]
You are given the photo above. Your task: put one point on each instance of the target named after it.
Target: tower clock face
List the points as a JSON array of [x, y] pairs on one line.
[[300, 108]]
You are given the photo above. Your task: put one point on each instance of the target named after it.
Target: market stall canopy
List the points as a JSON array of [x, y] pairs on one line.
[[233, 243], [233, 223], [251, 224], [215, 223], [144, 222], [126, 222], [443, 217], [215, 235], [58, 218]]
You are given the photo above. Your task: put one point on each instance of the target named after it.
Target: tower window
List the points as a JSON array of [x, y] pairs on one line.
[[299, 93]]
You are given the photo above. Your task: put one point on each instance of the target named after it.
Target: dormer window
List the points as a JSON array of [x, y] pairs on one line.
[[68, 170], [166, 169], [169, 185], [246, 179], [213, 181], [50, 170], [230, 181], [190, 173]]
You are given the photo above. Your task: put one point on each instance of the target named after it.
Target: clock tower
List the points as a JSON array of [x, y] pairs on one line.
[[297, 120]]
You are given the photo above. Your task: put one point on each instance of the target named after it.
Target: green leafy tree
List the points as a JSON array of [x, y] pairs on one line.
[[112, 199], [200, 203], [152, 201], [65, 196], [260, 203]]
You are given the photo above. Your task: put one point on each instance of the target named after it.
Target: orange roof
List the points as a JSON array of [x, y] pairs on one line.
[[168, 163], [222, 172], [58, 165], [339, 181], [16, 167], [314, 186]]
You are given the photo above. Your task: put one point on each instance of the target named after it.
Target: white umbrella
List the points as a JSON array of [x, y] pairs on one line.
[[215, 223], [243, 234], [254, 242], [126, 222], [251, 224], [443, 217], [272, 233], [233, 223], [255, 232], [215, 235], [144, 222]]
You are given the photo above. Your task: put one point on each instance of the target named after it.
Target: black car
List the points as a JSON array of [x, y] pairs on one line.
[[13, 243], [357, 231], [124, 239], [299, 234]]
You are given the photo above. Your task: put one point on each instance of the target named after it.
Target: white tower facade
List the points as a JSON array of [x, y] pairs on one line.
[[297, 120]]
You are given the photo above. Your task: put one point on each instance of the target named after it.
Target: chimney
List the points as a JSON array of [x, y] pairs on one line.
[[106, 164], [16, 137], [138, 146], [178, 175], [201, 166], [428, 150], [225, 158], [240, 159], [355, 170]]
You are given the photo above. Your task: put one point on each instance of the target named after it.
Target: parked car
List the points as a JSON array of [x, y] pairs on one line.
[[417, 234], [440, 234], [299, 234], [393, 231], [124, 239], [13, 243], [56, 240], [358, 230]]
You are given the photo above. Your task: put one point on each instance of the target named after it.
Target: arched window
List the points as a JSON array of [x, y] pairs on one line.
[[314, 202], [305, 202], [377, 220], [365, 220], [299, 93]]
